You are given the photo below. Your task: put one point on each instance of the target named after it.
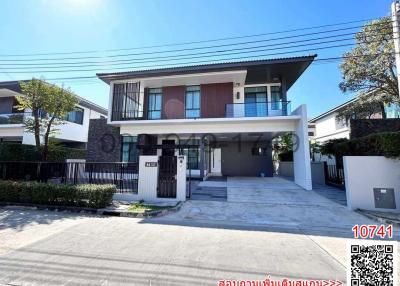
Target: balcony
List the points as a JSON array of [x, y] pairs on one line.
[[12, 118], [258, 109]]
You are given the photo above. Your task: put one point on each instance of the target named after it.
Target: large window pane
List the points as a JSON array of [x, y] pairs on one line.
[[129, 152], [256, 101], [193, 154], [155, 102], [192, 102], [126, 103], [276, 97], [75, 116]]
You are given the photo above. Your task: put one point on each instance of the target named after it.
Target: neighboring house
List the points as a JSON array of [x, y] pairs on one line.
[[222, 116], [327, 125], [72, 134]]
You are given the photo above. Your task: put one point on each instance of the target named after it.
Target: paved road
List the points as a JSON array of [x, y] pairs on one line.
[[282, 232], [65, 249]]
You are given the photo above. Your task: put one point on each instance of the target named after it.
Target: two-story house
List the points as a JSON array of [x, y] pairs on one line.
[[223, 116], [72, 134]]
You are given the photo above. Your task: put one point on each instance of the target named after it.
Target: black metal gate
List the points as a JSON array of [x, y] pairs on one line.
[[334, 176], [167, 177]]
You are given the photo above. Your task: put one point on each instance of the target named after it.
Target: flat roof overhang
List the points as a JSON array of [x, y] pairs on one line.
[[210, 125], [258, 71]]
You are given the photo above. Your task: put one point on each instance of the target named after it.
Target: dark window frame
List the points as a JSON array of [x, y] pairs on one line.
[[131, 145], [251, 107], [152, 109], [191, 109], [276, 104], [124, 99], [193, 154]]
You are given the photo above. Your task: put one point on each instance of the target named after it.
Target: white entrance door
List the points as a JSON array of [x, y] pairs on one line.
[[216, 161]]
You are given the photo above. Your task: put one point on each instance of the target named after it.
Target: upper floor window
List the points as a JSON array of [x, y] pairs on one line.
[[155, 101], [192, 102], [75, 116], [125, 104], [255, 99], [276, 97]]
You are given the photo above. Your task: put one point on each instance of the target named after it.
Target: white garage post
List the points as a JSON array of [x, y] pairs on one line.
[[301, 154]]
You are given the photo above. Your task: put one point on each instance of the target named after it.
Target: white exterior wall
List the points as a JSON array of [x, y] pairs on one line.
[[325, 129], [69, 131], [212, 125], [301, 155], [363, 173], [10, 130]]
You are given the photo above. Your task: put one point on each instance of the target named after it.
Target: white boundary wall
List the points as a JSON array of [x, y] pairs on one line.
[[363, 174], [301, 156]]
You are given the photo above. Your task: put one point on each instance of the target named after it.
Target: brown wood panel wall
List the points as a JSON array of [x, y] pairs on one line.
[[173, 102], [214, 98]]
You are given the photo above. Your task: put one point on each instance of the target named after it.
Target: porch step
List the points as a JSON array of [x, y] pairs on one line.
[[209, 194]]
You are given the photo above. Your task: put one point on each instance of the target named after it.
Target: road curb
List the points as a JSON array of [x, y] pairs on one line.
[[146, 214], [104, 212]]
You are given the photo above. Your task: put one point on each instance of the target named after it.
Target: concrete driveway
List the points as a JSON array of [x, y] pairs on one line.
[[276, 202]]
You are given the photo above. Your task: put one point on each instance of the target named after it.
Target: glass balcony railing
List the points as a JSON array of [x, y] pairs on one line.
[[258, 109], [12, 118]]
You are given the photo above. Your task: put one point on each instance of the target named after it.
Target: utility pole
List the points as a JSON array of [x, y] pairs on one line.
[[396, 37]]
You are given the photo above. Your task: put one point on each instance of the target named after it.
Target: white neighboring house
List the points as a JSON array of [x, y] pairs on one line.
[[326, 126], [72, 134]]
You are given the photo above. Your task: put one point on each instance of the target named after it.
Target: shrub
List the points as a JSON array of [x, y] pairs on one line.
[[286, 156], [90, 195], [21, 152], [378, 144]]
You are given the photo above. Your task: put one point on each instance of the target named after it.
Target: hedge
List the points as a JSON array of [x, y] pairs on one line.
[[286, 156], [379, 144], [22, 152], [85, 195]]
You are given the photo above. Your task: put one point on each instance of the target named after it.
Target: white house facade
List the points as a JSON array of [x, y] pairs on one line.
[[73, 134], [222, 117]]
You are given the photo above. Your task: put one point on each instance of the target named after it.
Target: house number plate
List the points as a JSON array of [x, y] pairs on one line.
[[150, 164]]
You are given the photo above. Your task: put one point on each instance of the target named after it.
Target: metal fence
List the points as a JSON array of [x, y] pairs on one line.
[[123, 175], [334, 175]]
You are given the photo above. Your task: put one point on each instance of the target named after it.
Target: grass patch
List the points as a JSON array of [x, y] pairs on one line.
[[140, 207]]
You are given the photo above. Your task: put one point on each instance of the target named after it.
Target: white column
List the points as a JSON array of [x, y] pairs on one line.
[[301, 152]]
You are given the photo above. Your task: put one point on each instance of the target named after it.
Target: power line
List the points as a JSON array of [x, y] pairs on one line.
[[187, 63], [316, 61], [185, 49], [189, 56], [195, 42], [139, 60]]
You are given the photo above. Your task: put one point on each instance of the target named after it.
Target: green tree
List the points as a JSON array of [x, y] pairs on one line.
[[369, 68], [49, 105]]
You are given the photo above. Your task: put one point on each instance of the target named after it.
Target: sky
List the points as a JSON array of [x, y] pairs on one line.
[[93, 26]]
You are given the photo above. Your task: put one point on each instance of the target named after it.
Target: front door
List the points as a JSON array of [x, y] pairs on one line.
[[216, 160], [168, 151]]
